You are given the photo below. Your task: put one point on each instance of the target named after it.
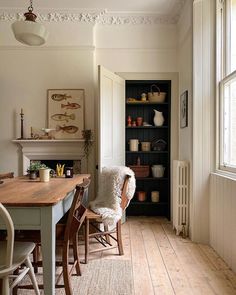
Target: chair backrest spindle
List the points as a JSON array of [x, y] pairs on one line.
[[77, 211], [124, 199]]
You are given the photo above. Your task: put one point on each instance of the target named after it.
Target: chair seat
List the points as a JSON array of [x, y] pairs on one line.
[[20, 253], [92, 215]]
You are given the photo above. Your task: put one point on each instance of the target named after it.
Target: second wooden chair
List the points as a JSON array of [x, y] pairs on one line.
[[95, 228]]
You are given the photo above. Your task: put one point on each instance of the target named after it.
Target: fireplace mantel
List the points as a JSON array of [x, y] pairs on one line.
[[38, 149]]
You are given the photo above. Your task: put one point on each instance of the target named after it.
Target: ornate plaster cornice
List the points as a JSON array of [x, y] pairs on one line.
[[101, 17], [135, 19], [90, 18]]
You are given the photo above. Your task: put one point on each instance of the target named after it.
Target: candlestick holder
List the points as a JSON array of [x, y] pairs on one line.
[[21, 125]]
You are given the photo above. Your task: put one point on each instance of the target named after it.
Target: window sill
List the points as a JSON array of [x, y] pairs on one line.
[[225, 174]]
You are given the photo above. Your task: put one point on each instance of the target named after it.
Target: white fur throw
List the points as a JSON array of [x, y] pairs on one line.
[[107, 202]]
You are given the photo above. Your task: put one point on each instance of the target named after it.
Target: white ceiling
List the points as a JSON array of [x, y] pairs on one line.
[[162, 7]]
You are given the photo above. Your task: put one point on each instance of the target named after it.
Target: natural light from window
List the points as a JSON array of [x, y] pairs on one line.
[[233, 35], [227, 46], [230, 123]]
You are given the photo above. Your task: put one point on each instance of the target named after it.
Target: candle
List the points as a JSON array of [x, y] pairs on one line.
[[21, 111]]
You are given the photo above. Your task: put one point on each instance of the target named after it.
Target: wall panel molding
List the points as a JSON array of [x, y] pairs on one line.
[[48, 48]]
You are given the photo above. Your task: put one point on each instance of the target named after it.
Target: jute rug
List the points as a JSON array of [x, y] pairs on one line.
[[99, 277]]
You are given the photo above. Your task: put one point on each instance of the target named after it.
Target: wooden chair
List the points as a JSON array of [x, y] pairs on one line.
[[94, 228], [66, 235], [4, 176], [12, 256]]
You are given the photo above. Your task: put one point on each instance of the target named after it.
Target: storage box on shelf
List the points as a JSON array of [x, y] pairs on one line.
[[150, 146]]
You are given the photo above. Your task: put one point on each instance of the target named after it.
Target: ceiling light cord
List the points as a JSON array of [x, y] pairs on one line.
[[30, 8]]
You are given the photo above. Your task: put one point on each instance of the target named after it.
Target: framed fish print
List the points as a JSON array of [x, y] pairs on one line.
[[66, 112]]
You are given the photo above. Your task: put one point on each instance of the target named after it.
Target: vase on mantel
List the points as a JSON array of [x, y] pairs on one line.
[[158, 118]]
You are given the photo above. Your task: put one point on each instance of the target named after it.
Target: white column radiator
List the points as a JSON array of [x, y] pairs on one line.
[[181, 196]]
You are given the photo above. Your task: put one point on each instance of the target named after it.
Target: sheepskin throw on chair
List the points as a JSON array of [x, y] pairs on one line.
[[107, 202]]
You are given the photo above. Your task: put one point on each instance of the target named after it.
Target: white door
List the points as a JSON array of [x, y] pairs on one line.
[[111, 117]]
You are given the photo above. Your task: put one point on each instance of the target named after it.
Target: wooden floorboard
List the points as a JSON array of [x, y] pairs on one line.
[[166, 264]]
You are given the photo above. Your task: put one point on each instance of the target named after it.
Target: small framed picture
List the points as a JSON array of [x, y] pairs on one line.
[[66, 112], [184, 109]]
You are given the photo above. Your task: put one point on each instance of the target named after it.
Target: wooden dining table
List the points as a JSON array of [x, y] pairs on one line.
[[40, 205]]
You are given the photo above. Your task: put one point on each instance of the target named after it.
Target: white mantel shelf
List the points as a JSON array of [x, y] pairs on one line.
[[51, 149], [47, 140]]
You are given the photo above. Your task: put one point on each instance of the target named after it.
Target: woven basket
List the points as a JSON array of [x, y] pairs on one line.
[[156, 96], [140, 170]]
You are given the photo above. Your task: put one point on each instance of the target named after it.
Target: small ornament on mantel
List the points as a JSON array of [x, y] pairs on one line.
[[47, 133]]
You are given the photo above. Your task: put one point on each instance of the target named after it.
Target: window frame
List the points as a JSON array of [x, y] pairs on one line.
[[222, 165], [223, 75]]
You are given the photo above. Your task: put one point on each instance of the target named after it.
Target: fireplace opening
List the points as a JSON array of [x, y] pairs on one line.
[[76, 164]]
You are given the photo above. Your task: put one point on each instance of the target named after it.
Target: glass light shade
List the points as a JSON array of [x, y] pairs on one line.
[[30, 32]]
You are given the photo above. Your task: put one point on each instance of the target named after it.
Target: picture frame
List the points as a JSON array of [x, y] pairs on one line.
[[184, 109], [66, 113]]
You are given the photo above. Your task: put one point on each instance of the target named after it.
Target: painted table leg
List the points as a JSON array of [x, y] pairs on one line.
[[48, 249]]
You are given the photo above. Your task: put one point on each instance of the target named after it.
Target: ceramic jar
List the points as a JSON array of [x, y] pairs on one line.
[[145, 146], [158, 170], [158, 118], [143, 97], [155, 196], [139, 121], [133, 145], [44, 174], [141, 196], [33, 174]]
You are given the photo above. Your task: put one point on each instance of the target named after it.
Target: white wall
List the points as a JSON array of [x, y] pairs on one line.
[[67, 61], [25, 76], [185, 66], [137, 48], [60, 34], [223, 218]]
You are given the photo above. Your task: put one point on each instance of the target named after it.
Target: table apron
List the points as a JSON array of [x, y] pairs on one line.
[[31, 217]]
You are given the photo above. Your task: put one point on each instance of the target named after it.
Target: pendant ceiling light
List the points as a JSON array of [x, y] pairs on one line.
[[28, 31]]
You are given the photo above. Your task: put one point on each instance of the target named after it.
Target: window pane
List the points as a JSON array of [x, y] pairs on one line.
[[233, 34], [229, 119]]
